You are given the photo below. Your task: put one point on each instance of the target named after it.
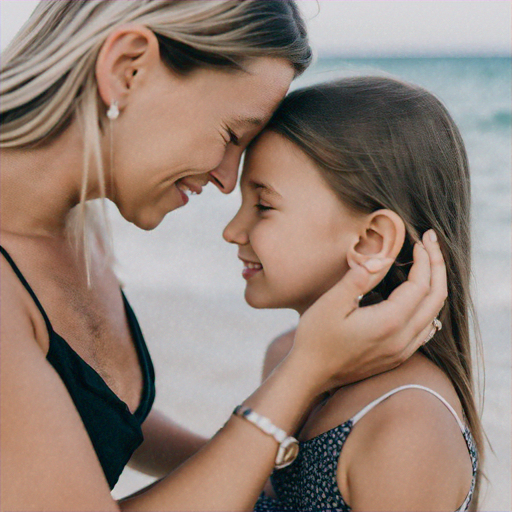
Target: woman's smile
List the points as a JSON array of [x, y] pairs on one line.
[[188, 187]]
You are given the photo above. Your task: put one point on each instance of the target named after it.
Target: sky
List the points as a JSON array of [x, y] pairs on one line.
[[375, 28], [410, 27]]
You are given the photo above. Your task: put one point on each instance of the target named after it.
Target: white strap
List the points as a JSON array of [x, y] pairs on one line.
[[371, 405]]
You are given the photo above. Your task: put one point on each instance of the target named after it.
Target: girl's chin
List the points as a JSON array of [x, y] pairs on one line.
[[259, 302], [255, 302]]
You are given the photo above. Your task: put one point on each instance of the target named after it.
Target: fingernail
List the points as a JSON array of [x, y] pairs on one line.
[[374, 265], [432, 235]]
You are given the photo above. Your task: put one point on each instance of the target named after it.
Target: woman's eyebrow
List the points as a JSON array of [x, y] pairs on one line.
[[264, 187], [250, 121]]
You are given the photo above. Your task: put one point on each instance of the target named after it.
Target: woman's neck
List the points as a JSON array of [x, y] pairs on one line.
[[40, 186]]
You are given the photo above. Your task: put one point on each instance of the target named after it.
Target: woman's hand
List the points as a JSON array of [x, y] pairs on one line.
[[340, 342]]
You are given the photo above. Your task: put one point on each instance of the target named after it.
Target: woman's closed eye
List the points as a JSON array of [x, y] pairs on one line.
[[232, 137]]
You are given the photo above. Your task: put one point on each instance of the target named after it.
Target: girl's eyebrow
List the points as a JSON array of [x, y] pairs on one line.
[[264, 187]]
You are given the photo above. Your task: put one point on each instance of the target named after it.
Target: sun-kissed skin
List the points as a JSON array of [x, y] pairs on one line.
[[300, 238], [170, 128]]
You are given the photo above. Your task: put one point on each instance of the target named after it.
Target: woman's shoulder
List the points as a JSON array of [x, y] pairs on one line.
[[19, 312]]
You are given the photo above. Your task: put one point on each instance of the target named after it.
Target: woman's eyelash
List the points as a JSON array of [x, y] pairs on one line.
[[233, 138]]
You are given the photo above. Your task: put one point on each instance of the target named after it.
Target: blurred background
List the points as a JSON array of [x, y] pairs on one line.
[[185, 283]]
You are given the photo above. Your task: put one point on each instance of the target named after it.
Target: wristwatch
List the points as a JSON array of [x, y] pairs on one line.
[[288, 445]]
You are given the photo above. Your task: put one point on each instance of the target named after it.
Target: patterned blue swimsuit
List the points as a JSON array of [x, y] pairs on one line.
[[310, 484]]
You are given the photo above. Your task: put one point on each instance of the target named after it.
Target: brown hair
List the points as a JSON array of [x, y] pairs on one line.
[[381, 143]]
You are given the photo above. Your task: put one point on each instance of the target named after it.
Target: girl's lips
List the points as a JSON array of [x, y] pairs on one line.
[[251, 269], [247, 273]]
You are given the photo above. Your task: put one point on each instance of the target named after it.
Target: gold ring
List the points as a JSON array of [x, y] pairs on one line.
[[437, 325]]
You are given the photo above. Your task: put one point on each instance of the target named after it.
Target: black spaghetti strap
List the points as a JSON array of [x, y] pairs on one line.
[[28, 288]]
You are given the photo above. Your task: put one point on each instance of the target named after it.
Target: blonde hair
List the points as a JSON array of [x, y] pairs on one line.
[[382, 143], [48, 70]]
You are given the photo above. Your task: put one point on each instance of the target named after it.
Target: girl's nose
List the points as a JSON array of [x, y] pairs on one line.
[[234, 232]]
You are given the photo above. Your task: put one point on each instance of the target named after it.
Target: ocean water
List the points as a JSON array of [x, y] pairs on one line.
[[185, 281]]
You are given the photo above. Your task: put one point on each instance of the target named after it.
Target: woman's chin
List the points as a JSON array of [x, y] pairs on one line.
[[147, 224], [146, 219]]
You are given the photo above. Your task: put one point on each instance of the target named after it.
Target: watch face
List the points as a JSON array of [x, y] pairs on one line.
[[289, 454]]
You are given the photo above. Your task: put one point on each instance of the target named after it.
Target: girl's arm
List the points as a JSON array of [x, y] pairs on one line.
[[48, 462]]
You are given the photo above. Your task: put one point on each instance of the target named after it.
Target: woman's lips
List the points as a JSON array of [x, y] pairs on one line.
[[188, 188]]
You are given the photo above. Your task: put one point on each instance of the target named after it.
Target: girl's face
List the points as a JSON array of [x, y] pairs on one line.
[[178, 133], [293, 233]]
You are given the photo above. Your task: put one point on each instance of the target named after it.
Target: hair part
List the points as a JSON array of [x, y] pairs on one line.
[[381, 143]]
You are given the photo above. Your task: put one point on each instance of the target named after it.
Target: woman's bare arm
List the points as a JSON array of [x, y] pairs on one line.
[[47, 462], [166, 445], [276, 352]]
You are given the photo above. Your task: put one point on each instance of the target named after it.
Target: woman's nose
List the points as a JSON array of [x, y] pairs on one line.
[[234, 232], [226, 173]]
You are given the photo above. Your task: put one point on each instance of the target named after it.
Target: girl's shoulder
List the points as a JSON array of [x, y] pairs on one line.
[[348, 401], [409, 437]]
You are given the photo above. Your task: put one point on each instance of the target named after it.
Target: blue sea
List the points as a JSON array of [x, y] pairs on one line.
[[185, 281]]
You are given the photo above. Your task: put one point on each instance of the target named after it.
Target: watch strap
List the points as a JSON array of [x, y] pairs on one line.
[[285, 441]]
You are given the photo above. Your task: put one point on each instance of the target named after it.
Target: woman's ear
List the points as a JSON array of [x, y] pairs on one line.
[[125, 57], [380, 241]]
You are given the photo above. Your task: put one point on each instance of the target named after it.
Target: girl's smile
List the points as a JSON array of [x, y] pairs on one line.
[[292, 230], [251, 268]]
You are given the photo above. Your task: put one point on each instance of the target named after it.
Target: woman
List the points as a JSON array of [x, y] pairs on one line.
[[139, 102]]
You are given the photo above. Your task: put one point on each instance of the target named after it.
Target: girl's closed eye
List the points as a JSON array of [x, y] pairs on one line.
[[262, 207]]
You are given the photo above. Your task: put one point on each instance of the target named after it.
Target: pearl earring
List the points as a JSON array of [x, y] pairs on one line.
[[113, 111]]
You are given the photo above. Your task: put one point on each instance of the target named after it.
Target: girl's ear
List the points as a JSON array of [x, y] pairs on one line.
[[126, 56], [380, 241]]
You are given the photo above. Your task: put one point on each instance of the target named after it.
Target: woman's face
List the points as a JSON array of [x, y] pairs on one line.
[[178, 133], [293, 233]]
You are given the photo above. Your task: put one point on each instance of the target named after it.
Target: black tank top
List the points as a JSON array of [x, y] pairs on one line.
[[114, 431]]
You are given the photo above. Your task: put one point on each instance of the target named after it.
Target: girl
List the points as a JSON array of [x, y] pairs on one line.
[[349, 173]]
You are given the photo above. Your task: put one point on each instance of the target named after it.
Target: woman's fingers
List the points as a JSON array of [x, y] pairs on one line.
[[408, 296], [394, 314], [344, 294], [378, 337], [434, 301], [406, 316]]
